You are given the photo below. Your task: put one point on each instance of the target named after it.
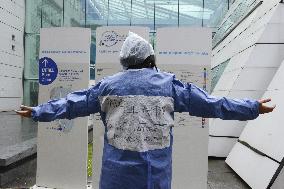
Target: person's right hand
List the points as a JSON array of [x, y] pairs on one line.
[[25, 111]]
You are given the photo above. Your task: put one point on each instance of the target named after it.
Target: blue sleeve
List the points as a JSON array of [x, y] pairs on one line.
[[190, 98], [76, 104]]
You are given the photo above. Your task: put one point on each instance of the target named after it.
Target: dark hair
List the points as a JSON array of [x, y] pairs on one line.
[[149, 62]]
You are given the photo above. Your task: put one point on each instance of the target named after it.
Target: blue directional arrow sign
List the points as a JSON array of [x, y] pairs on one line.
[[47, 71]]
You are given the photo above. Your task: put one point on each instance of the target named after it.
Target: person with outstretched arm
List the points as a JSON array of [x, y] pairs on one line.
[[137, 107]]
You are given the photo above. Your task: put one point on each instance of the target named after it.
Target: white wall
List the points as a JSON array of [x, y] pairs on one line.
[[12, 18], [255, 51], [259, 154]]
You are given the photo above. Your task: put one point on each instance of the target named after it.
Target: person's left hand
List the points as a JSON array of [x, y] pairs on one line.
[[25, 111], [263, 109]]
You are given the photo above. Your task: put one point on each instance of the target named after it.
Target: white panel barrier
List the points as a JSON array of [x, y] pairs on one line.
[[253, 168], [254, 79], [220, 146], [258, 157], [190, 146], [107, 63], [250, 71], [62, 144], [226, 128], [267, 55]]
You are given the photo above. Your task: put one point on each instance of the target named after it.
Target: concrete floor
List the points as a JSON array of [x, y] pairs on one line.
[[14, 130], [221, 176], [23, 175]]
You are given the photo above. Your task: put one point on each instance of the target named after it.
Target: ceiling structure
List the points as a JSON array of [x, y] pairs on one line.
[[157, 12]]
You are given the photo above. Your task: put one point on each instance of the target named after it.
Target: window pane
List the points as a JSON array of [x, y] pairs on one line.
[[143, 13], [31, 93], [31, 56], [74, 13], [191, 13], [119, 12], [93, 56], [214, 12], [217, 73], [33, 16], [241, 10], [97, 13], [166, 13], [52, 13]]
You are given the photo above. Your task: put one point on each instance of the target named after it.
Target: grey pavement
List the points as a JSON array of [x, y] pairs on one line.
[[220, 176], [17, 134], [14, 129], [17, 138]]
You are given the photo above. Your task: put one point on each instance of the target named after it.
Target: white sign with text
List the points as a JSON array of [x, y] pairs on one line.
[[186, 52], [109, 42], [62, 144]]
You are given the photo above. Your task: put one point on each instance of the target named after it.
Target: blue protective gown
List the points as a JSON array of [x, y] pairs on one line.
[[137, 108]]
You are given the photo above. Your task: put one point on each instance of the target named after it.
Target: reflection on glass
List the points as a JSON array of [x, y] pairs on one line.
[[51, 13], [93, 56], [95, 13], [31, 56], [31, 93], [241, 10], [214, 12], [119, 12], [143, 13], [191, 13], [217, 72], [33, 16], [166, 13], [74, 13]]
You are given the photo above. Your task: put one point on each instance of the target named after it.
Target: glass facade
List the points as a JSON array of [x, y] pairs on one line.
[[95, 13], [217, 72], [239, 12]]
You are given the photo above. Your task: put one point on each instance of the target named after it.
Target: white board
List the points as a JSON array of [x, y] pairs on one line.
[[267, 55], [253, 168], [239, 60], [252, 64], [276, 84], [220, 146], [233, 127], [62, 145], [227, 80], [186, 52], [107, 63], [264, 134], [226, 128], [259, 78]]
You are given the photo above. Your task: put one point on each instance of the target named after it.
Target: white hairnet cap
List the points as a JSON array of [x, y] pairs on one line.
[[135, 50]]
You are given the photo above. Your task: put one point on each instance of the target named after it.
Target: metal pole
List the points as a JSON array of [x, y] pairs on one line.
[[131, 13], [63, 11], [107, 11], [203, 5], [178, 13], [85, 13], [154, 16]]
